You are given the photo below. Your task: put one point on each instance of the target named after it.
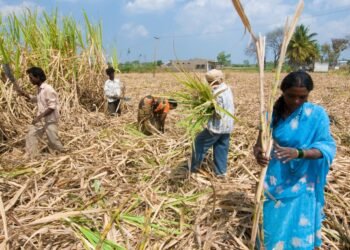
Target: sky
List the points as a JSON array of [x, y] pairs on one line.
[[185, 29]]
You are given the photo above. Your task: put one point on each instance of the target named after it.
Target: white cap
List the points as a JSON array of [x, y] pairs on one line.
[[214, 75]]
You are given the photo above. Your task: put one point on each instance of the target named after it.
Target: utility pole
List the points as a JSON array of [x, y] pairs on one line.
[[156, 39]]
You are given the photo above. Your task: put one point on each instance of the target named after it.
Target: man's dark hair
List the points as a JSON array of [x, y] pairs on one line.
[[173, 103], [110, 70], [37, 72]]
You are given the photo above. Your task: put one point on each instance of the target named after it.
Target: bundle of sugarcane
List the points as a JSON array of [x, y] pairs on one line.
[[266, 108], [199, 103]]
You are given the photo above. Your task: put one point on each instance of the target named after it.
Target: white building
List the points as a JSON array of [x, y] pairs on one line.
[[321, 67]]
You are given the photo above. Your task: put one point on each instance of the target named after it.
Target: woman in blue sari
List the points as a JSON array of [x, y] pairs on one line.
[[296, 176]]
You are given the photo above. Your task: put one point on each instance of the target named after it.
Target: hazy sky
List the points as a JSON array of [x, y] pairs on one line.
[[192, 28]]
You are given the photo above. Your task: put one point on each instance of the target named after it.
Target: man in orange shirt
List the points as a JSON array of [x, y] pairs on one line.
[[152, 113]]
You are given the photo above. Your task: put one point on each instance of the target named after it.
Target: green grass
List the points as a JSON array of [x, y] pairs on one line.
[[16, 172]]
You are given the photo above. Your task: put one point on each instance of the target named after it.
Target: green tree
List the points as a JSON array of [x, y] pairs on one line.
[[159, 63], [303, 48], [224, 59]]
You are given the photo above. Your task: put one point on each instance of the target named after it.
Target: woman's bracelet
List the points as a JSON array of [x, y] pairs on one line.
[[300, 153]]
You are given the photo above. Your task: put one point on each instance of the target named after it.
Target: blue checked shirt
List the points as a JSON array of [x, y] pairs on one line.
[[224, 124]]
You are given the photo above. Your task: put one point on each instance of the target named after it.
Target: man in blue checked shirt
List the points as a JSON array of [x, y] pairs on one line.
[[219, 127]]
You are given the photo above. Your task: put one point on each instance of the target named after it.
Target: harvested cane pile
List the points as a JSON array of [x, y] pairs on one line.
[[133, 190]]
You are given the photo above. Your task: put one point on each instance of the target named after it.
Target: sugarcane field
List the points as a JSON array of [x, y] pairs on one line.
[[96, 153]]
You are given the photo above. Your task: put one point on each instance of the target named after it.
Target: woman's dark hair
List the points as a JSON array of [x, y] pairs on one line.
[[173, 103], [293, 79], [110, 70], [37, 72]]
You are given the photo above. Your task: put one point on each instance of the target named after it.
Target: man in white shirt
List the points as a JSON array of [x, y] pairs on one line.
[[114, 90]]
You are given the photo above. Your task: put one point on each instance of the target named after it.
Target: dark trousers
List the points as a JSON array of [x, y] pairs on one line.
[[113, 106]]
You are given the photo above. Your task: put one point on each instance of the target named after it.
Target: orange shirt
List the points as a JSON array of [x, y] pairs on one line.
[[160, 105], [163, 105]]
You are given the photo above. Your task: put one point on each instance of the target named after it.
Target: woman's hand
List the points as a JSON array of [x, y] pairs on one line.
[[284, 153], [260, 156]]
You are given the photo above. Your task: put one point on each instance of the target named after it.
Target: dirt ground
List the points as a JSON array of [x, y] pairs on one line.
[[134, 190]]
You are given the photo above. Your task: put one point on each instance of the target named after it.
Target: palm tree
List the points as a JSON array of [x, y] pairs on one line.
[[303, 48]]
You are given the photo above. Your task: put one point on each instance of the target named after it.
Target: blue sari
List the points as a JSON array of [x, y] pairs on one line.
[[294, 219]]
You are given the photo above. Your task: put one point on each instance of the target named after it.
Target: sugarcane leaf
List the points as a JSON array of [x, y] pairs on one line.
[[94, 237], [4, 54], [240, 11]]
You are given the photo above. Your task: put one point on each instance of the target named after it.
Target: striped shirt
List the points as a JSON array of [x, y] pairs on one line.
[[224, 124]]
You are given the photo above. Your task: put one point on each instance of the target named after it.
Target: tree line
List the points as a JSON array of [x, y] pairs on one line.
[[303, 48]]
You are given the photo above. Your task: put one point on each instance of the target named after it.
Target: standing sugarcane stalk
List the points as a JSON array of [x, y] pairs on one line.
[[265, 136], [266, 112]]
